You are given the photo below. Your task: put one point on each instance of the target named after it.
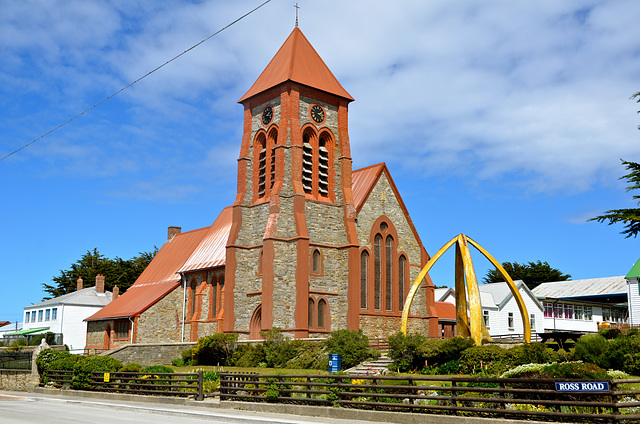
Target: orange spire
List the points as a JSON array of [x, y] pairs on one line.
[[297, 61]]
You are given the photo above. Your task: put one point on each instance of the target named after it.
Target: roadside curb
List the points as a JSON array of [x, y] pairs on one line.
[[288, 409]]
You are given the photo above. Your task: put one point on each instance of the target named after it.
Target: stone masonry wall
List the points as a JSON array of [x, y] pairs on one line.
[[150, 354], [18, 380], [162, 322], [247, 281], [335, 264], [382, 201]]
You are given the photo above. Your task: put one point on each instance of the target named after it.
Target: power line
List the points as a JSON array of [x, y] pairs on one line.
[[136, 81]]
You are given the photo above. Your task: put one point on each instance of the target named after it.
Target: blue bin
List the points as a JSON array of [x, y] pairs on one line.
[[335, 362]]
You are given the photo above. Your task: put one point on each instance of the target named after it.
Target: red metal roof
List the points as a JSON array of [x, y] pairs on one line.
[[211, 252], [362, 182], [446, 310], [297, 61], [157, 280]]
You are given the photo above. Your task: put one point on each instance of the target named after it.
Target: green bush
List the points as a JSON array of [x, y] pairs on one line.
[[93, 363], [609, 332], [278, 349], [440, 351], [489, 359], [404, 350], [531, 353], [309, 356], [352, 345], [214, 349], [593, 349], [187, 356], [151, 369], [568, 370], [47, 357], [451, 367], [132, 367], [247, 355], [18, 343]]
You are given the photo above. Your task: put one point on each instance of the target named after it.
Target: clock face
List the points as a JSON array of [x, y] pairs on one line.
[[267, 115], [317, 114]]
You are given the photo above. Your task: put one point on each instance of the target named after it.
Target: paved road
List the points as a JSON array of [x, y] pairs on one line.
[[16, 408]]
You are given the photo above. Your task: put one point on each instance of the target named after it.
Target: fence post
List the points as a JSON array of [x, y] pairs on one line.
[[308, 387], [412, 392], [454, 396], [615, 397], [200, 385]]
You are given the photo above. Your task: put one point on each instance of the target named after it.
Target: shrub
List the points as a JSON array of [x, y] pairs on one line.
[[278, 349], [404, 351], [93, 363], [48, 357], [451, 367], [609, 332], [592, 348], [187, 356], [440, 351], [309, 356], [531, 353], [352, 345], [490, 359], [211, 381], [132, 367], [19, 343], [569, 370], [214, 349], [247, 355]]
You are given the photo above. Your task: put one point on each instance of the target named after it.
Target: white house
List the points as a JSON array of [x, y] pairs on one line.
[[582, 305], [634, 294], [500, 309], [65, 314]]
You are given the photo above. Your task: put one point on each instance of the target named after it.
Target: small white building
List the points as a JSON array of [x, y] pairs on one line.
[[583, 305], [634, 294], [66, 314], [500, 309]]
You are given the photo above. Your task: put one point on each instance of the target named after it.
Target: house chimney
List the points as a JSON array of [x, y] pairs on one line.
[[116, 293], [172, 232], [79, 284], [99, 283]]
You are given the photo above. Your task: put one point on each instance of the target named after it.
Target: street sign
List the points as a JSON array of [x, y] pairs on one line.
[[582, 386]]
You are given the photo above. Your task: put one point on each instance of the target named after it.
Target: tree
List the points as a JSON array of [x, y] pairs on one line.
[[533, 273], [630, 217], [117, 272]]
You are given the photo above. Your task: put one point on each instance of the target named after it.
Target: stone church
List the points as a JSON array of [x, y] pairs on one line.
[[309, 245]]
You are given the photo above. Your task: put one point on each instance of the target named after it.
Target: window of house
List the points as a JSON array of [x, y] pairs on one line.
[[388, 273], [402, 272], [510, 320], [568, 311], [26, 317], [606, 314], [47, 315], [54, 314], [559, 310], [33, 316], [485, 317], [578, 312], [122, 329], [364, 280], [316, 261], [192, 298], [322, 310], [311, 313], [532, 322], [377, 275], [588, 313], [548, 309], [40, 312]]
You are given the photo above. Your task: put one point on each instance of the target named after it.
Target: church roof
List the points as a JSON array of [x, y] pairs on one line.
[[157, 280], [362, 182], [211, 252], [297, 61]]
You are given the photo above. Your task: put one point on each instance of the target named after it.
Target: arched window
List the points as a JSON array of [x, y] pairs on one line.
[[307, 163], [322, 310], [192, 297], [316, 262], [388, 275], [377, 271], [364, 278], [323, 166], [311, 312], [261, 148], [213, 298], [273, 140], [402, 275]]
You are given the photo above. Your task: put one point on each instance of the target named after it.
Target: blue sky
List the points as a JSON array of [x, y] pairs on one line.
[[505, 121]]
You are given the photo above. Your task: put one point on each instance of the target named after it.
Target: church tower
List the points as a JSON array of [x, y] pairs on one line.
[[293, 238]]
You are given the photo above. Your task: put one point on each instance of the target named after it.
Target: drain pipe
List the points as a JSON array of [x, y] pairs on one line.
[[184, 302], [131, 337]]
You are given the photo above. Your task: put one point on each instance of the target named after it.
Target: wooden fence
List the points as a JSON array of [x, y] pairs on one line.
[[487, 397], [168, 384]]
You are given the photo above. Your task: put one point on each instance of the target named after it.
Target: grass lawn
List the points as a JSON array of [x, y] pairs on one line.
[[257, 370]]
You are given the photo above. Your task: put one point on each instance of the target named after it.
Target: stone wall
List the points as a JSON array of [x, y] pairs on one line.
[[150, 353], [162, 322], [18, 380]]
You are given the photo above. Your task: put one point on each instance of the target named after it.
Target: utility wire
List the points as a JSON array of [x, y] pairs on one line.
[[134, 82]]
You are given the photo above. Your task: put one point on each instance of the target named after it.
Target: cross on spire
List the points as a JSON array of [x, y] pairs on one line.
[[297, 7]]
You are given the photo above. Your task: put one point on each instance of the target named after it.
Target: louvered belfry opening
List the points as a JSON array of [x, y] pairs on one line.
[[307, 164]]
